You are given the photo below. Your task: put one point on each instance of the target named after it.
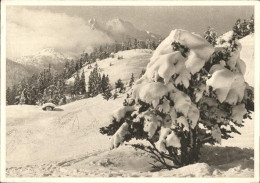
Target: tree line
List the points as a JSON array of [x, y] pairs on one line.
[[240, 30], [38, 89], [47, 86]]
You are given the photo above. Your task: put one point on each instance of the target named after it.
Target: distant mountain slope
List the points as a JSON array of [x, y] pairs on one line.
[[43, 58], [133, 62], [120, 30], [15, 72]]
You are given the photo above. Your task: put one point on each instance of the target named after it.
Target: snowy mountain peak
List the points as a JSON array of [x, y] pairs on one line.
[[117, 21], [43, 58], [121, 30], [46, 50], [50, 52], [120, 24]]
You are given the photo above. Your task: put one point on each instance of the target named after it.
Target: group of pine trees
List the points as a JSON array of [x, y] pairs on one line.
[[244, 28], [240, 29], [98, 84], [37, 89], [79, 87]]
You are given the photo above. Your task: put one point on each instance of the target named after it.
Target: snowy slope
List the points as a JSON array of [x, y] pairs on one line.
[[34, 135], [67, 142], [247, 54], [133, 62]]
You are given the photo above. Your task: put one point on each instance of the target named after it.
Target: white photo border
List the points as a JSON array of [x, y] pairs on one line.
[[6, 3]]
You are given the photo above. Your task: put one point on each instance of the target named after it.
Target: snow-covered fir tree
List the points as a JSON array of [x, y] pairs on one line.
[[120, 85], [77, 87], [132, 80], [94, 83], [211, 36], [115, 95], [82, 83], [190, 94], [243, 28], [106, 88], [22, 98]]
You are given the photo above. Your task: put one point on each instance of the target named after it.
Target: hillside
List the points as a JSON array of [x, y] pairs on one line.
[[133, 62], [15, 72]]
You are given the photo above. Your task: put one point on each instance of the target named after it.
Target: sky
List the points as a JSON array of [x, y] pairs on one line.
[[65, 28]]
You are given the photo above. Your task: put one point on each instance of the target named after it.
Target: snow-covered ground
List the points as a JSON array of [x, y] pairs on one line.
[[67, 142]]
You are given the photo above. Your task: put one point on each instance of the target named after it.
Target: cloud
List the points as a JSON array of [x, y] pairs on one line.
[[29, 31]]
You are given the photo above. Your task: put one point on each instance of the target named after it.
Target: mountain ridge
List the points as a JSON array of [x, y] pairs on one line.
[[121, 30]]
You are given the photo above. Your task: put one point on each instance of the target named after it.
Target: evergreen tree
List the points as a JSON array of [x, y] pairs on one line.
[[115, 95], [210, 36], [76, 67], [103, 83], [90, 84], [142, 73], [94, 85], [14, 97], [120, 85], [180, 112], [22, 98], [134, 44], [8, 96], [66, 70], [251, 24], [132, 80], [83, 83], [77, 87], [243, 28], [106, 88], [154, 46], [72, 68]]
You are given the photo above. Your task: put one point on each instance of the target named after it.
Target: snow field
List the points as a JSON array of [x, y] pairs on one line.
[[67, 142]]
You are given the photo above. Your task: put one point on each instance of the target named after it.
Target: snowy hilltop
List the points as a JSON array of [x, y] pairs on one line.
[[133, 61]]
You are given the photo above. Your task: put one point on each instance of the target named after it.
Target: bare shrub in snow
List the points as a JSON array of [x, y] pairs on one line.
[[190, 94]]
